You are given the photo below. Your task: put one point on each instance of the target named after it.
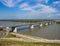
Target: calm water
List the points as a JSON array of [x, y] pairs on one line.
[[6, 23], [49, 32]]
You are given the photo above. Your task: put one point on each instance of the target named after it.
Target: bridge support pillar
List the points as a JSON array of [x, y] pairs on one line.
[[32, 26], [7, 29], [50, 23], [14, 29], [46, 24], [41, 25]]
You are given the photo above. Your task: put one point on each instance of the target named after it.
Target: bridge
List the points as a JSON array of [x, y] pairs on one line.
[[31, 25]]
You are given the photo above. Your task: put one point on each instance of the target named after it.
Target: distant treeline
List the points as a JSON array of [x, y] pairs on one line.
[[30, 21]]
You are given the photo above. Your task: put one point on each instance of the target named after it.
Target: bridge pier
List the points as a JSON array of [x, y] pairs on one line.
[[46, 23], [7, 29], [50, 23], [14, 29], [41, 25], [31, 26]]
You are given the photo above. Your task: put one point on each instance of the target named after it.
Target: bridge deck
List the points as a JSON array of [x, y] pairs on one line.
[[17, 24]]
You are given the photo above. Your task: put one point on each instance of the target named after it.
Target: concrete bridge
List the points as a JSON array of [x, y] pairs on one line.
[[31, 25]]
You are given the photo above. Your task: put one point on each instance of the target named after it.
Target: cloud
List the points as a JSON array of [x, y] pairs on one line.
[[38, 10], [25, 6], [42, 1], [48, 16], [44, 8], [10, 3], [58, 14], [46, 1], [41, 8], [28, 8], [42, 11], [56, 3]]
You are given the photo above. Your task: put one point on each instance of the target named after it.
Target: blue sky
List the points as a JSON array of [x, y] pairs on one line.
[[29, 9]]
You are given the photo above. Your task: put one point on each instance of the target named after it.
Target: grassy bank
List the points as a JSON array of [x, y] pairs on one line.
[[18, 43], [21, 43], [58, 22], [11, 36]]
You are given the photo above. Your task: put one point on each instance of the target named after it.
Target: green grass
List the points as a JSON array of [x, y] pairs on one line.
[[22, 43], [58, 22], [10, 36], [19, 43]]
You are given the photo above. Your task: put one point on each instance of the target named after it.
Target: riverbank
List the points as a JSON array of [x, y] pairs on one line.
[[22, 37], [19, 43], [27, 38], [58, 22]]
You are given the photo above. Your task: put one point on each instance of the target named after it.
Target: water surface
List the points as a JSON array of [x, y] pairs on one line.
[[48, 32]]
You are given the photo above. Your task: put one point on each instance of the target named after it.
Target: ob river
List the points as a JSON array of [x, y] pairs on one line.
[[47, 32]]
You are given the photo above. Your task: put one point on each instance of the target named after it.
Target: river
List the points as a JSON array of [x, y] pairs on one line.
[[49, 32]]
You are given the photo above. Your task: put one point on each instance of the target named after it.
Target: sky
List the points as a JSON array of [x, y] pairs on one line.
[[29, 9]]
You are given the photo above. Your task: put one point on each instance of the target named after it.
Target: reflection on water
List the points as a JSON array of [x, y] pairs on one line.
[[49, 32]]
